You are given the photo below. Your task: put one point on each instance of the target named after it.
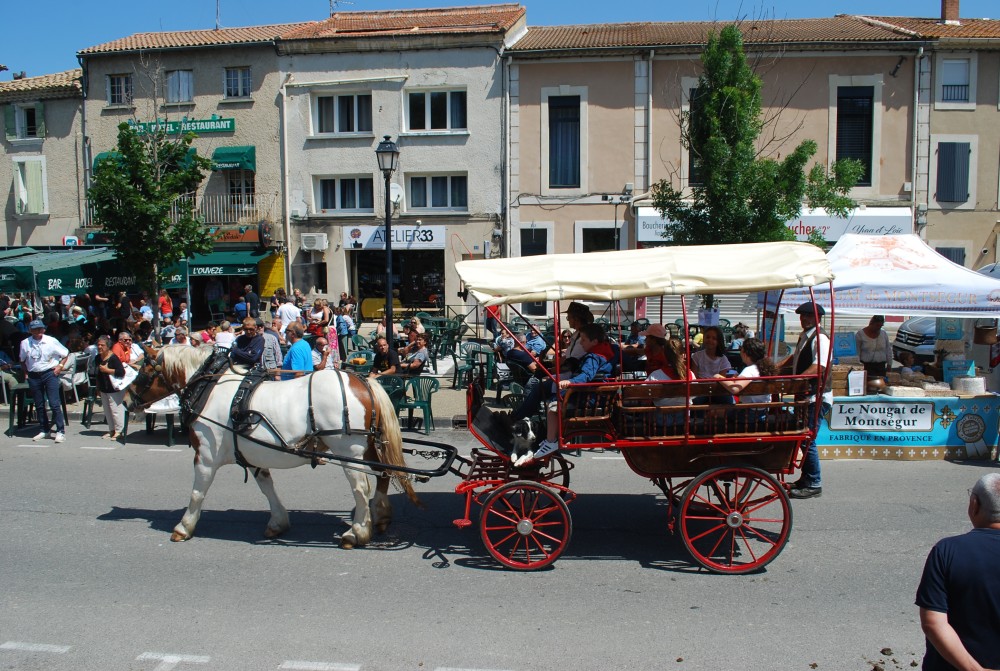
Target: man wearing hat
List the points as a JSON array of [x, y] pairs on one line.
[[811, 356], [43, 358]]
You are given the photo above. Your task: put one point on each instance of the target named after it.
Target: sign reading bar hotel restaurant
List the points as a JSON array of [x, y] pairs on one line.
[[403, 237], [187, 125]]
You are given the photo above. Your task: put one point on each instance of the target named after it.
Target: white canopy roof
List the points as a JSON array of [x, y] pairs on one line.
[[901, 275], [601, 276]]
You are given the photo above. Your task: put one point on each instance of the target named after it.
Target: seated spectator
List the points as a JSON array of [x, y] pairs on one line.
[[181, 338], [758, 364], [225, 336], [386, 359], [536, 344], [906, 363], [325, 357], [298, 360], [276, 327], [7, 368], [413, 363], [207, 336]]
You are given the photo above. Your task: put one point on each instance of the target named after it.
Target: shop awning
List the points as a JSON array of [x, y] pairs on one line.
[[235, 158], [106, 155], [235, 262]]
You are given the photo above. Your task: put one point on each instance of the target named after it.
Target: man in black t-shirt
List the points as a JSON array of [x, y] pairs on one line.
[[253, 301], [959, 592], [386, 359]]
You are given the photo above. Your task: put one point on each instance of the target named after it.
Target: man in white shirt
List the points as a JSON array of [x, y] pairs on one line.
[[43, 359], [288, 313], [812, 356]]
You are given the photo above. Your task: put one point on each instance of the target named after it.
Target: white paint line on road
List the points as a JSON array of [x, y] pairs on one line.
[[168, 662], [163, 449], [319, 666], [95, 447], [452, 668], [610, 458], [35, 647]]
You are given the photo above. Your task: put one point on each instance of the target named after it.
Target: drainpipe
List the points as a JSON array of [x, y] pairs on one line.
[[286, 226], [506, 233], [649, 126], [85, 142], [916, 139]]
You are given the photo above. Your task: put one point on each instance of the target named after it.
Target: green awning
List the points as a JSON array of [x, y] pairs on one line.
[[235, 158], [75, 271], [236, 262], [106, 155]]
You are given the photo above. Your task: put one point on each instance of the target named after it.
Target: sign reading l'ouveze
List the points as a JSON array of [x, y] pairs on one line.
[[199, 126]]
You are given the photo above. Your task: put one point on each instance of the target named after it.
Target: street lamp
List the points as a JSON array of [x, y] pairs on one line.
[[387, 154]]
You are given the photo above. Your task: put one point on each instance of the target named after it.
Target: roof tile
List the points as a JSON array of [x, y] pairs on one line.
[[57, 85], [935, 28], [193, 38], [473, 19]]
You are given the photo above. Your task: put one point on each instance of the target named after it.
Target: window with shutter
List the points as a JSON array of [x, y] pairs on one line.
[[29, 186], [695, 177], [855, 125], [564, 141], [24, 121], [953, 172], [953, 254]]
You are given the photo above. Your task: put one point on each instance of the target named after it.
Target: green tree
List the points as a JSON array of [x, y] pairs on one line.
[[143, 198], [741, 196]]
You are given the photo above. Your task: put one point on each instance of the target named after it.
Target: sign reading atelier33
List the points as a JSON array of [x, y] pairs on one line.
[[403, 237]]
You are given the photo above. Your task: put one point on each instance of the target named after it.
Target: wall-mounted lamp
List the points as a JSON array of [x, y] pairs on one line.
[[899, 64]]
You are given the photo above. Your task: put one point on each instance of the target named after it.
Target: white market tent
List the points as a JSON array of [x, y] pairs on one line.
[[659, 271], [900, 275]]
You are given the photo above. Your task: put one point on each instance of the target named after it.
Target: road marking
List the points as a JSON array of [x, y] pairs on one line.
[[319, 666], [35, 647], [169, 662], [611, 458], [94, 447], [163, 449], [453, 668]]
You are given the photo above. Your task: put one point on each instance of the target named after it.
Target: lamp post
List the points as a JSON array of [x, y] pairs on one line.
[[387, 154]]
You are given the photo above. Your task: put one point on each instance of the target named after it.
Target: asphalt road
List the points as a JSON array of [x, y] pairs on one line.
[[90, 580]]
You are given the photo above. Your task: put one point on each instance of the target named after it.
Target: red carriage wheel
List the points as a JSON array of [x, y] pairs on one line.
[[525, 525], [734, 519], [555, 470]]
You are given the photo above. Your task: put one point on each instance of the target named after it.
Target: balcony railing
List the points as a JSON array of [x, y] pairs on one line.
[[222, 209], [955, 93]]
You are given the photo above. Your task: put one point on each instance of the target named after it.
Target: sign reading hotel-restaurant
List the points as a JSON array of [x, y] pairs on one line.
[[187, 125], [403, 237]]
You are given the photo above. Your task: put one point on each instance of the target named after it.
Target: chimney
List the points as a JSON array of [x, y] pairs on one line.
[[949, 12]]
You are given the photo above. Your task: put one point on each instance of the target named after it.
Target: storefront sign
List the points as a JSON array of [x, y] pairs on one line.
[[907, 429], [869, 221], [200, 126], [404, 237], [200, 271]]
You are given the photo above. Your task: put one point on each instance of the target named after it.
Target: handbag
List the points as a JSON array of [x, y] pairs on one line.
[[122, 383]]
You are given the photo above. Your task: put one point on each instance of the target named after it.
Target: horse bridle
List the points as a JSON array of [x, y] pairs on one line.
[[144, 380]]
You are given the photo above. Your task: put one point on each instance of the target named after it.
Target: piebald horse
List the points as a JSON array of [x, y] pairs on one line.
[[306, 412]]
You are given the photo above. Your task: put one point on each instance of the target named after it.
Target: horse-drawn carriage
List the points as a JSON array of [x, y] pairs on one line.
[[721, 467]]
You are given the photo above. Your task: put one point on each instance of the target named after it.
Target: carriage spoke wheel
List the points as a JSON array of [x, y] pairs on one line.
[[734, 519], [525, 525]]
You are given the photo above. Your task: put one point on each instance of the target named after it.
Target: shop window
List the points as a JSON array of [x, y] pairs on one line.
[[24, 121], [237, 83], [343, 114], [345, 194], [30, 192], [953, 254], [436, 111], [449, 192], [119, 90], [855, 126], [180, 86]]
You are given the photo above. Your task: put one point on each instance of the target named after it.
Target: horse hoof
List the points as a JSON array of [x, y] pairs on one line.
[[178, 537], [346, 544], [274, 533]]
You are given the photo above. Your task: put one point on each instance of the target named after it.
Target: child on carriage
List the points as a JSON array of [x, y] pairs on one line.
[[596, 363]]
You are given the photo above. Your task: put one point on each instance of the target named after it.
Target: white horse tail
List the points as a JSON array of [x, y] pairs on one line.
[[392, 452]]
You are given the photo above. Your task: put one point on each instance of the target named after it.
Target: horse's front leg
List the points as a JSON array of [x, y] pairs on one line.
[[203, 476], [278, 524], [361, 528]]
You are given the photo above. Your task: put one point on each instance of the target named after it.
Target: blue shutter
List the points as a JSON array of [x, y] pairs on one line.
[[953, 172]]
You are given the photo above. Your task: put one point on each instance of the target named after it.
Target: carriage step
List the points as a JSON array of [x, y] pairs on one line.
[[463, 523]]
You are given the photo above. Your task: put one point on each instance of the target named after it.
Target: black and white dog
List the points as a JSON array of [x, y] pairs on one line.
[[526, 434]]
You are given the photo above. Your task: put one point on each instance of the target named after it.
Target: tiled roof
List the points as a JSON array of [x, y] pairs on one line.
[[936, 29], [845, 29], [58, 85], [410, 22], [193, 38]]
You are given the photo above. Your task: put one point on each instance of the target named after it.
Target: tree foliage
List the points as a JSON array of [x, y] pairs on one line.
[[143, 198], [742, 196]]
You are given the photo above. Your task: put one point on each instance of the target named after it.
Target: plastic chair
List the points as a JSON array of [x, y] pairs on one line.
[[462, 371], [81, 375], [421, 390], [395, 386], [358, 342], [360, 368]]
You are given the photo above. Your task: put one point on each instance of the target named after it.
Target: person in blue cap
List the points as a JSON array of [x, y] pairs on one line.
[[43, 359]]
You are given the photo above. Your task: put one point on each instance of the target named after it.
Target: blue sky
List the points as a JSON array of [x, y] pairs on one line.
[[44, 38]]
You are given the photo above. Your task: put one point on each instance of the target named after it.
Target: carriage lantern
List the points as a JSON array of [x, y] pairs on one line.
[[387, 154]]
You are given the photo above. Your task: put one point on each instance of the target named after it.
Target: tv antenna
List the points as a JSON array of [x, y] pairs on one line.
[[336, 3]]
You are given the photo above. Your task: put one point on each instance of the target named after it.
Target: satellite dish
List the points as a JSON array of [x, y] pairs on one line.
[[396, 194]]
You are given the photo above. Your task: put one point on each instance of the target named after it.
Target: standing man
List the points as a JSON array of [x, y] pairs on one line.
[[959, 592], [288, 313], [253, 301], [811, 356], [248, 348], [271, 359], [44, 357], [298, 361]]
